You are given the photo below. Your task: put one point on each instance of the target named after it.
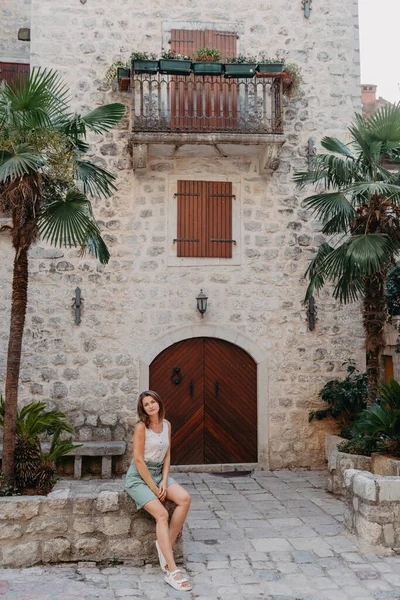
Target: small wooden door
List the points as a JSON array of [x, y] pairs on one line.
[[209, 388], [13, 72], [199, 103]]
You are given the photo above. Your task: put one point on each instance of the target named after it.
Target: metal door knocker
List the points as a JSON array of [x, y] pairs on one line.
[[176, 376]]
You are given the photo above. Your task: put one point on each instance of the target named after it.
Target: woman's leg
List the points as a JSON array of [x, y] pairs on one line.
[[160, 513], [181, 497]]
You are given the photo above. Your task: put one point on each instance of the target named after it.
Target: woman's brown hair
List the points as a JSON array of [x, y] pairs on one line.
[[143, 416]]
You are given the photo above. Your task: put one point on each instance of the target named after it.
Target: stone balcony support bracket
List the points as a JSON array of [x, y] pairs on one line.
[[265, 147]]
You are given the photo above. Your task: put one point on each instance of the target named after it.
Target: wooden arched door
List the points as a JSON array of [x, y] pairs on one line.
[[209, 387]]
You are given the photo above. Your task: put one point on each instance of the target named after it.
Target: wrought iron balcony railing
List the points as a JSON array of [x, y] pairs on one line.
[[193, 104]]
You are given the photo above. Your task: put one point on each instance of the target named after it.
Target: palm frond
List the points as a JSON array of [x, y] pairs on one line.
[[384, 125], [335, 145], [69, 222], [315, 271], [96, 180], [329, 205], [103, 118], [22, 161], [33, 102]]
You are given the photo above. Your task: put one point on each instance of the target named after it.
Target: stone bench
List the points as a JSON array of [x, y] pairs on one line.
[[104, 449]]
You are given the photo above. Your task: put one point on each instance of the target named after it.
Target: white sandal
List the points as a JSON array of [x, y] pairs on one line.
[[177, 584], [161, 558]]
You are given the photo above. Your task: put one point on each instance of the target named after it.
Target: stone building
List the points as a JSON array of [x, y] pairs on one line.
[[239, 380]]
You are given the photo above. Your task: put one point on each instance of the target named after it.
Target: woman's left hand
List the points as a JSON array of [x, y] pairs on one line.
[[163, 491]]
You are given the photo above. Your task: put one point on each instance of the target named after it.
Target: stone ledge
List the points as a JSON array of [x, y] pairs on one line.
[[373, 507], [93, 521]]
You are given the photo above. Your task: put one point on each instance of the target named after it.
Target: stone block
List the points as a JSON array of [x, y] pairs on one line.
[[10, 530], [349, 475], [83, 505], [21, 555], [56, 550], [389, 489], [87, 525], [88, 546], [19, 509], [364, 485], [111, 526], [369, 532], [388, 535], [107, 501], [43, 526], [125, 549]]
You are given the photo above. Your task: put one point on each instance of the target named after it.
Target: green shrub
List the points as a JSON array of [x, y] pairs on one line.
[[7, 489], [33, 467], [359, 445], [345, 399]]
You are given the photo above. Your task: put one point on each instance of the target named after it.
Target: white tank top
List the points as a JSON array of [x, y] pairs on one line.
[[156, 444]]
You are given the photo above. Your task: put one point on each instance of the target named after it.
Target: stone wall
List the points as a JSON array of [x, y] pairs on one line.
[[92, 371], [373, 507], [92, 521], [14, 15]]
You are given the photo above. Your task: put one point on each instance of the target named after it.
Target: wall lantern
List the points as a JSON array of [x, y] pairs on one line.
[[307, 7], [202, 302]]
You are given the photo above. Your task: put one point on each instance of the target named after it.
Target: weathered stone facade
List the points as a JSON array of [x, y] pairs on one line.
[[94, 371], [14, 15], [91, 521]]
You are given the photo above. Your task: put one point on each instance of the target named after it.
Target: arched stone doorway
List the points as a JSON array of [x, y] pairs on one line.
[[209, 387]]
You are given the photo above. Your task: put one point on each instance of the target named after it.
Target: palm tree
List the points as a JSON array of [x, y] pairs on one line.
[[44, 185], [359, 206]]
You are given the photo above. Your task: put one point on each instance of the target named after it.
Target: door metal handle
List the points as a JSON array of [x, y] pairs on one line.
[[176, 376], [191, 387], [216, 388]]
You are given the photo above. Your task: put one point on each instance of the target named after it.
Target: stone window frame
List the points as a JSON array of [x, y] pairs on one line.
[[172, 224]]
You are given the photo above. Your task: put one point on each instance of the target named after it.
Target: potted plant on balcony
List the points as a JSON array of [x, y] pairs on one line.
[[270, 65], [240, 66], [119, 70], [172, 63], [206, 61], [144, 62], [291, 79]]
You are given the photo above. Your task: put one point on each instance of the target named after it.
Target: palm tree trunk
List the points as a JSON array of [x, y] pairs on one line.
[[17, 322], [374, 318]]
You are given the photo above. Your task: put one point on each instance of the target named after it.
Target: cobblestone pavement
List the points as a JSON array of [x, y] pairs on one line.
[[277, 536]]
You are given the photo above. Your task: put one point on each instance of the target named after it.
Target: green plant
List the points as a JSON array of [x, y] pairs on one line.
[[6, 488], [172, 55], [45, 476], [45, 183], [292, 79], [392, 291], [358, 202], [241, 59], [143, 56], [112, 71], [34, 422], [207, 55], [345, 399], [379, 424], [266, 59], [364, 445]]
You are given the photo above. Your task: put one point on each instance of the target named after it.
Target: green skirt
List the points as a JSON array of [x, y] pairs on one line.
[[138, 489]]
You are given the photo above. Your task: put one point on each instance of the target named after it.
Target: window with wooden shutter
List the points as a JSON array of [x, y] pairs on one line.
[[11, 72], [198, 104], [204, 219]]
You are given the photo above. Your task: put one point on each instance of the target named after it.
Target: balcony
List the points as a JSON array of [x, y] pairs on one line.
[[207, 116]]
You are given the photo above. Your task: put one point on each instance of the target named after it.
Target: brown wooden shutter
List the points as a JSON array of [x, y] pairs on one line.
[[11, 72], [219, 219], [204, 214]]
